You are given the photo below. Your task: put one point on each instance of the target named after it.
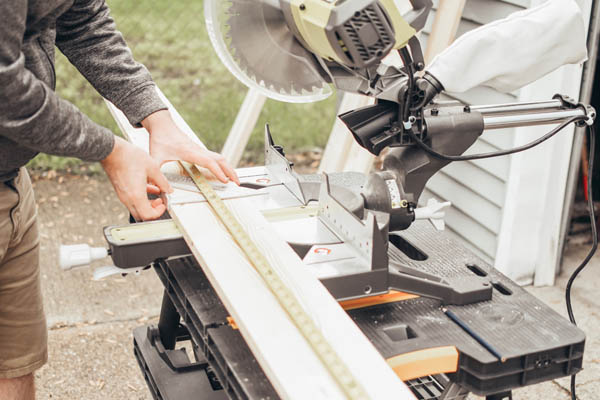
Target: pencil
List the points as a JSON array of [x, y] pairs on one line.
[[473, 334]]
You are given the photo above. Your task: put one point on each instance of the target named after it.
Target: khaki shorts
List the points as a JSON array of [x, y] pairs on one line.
[[23, 335]]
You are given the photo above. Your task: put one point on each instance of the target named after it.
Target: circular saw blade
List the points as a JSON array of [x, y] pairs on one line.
[[254, 42]]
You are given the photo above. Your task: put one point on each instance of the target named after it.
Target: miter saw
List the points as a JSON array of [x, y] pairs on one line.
[[295, 50]]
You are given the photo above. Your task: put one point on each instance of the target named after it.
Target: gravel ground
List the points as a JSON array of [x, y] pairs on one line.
[[90, 323]]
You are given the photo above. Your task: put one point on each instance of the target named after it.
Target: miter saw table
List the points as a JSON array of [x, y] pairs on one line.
[[508, 338]]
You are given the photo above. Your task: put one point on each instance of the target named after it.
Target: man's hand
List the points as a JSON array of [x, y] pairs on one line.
[[169, 143], [133, 174]]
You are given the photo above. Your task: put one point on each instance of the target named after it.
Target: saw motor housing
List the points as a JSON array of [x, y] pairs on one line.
[[356, 34]]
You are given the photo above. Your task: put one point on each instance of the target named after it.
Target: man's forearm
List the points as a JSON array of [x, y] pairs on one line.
[[87, 35]]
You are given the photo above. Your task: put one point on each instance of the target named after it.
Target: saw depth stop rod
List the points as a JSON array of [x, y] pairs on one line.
[[286, 298]]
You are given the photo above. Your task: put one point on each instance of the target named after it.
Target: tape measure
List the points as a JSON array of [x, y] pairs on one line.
[[287, 299]]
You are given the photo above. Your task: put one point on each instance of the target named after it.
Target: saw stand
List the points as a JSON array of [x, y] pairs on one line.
[[223, 366]]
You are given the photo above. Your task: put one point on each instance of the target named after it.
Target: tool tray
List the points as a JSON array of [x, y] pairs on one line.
[[537, 343]]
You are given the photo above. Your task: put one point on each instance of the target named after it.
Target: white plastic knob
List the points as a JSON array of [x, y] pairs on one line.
[[434, 212], [79, 255]]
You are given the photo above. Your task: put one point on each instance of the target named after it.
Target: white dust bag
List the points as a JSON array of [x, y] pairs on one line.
[[515, 51]]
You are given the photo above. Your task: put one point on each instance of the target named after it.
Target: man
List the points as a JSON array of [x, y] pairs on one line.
[[34, 119]]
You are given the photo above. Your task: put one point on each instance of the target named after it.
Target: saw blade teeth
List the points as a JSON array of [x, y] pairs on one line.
[[264, 49]]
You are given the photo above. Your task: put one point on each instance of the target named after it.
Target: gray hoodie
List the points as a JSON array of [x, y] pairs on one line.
[[32, 117]]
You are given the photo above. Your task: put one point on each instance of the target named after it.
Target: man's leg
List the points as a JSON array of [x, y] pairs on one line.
[[21, 388], [23, 336]]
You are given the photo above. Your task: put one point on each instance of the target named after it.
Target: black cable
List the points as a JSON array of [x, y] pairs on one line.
[[589, 256], [407, 61], [527, 146]]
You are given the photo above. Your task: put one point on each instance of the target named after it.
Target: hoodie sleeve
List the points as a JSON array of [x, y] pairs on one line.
[[31, 114], [87, 35]]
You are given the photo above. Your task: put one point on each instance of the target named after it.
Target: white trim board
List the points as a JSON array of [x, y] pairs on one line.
[[291, 366]]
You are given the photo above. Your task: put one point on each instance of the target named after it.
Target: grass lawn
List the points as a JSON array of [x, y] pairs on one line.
[[169, 37]]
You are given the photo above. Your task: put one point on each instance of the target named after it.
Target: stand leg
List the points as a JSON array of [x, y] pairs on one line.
[[168, 323]]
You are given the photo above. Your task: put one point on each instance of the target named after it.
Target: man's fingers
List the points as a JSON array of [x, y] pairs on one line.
[[160, 210], [156, 177], [143, 209], [146, 210], [215, 168], [156, 202], [229, 171], [152, 189], [130, 183]]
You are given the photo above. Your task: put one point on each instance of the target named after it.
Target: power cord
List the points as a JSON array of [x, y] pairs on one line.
[[590, 254]]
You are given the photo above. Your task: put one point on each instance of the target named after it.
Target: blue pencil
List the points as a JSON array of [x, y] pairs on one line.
[[473, 334]]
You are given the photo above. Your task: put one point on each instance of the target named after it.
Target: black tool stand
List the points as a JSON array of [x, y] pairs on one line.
[[220, 350], [538, 344]]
